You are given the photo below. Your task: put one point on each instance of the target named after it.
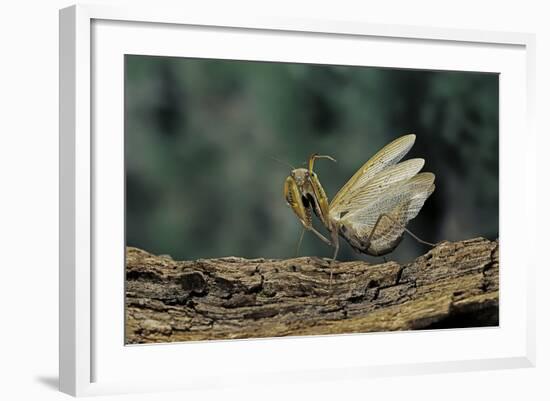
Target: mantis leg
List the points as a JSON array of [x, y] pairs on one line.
[[300, 242], [399, 224], [317, 233], [336, 244]]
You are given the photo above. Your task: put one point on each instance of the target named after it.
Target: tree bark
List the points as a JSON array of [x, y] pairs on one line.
[[456, 284]]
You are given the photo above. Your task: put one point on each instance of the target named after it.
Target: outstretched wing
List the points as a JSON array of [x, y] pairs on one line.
[[376, 187], [401, 202], [387, 156]]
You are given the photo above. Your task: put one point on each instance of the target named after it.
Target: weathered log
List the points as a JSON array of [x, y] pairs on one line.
[[452, 285]]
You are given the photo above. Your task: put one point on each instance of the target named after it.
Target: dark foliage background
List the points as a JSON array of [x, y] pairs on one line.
[[200, 136]]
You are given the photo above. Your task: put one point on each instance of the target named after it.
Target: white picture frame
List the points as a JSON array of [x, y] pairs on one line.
[[92, 353]]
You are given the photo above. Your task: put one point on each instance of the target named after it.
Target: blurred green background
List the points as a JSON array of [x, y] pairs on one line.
[[200, 136]]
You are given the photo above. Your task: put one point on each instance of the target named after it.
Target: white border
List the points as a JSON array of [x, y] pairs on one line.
[[76, 224]]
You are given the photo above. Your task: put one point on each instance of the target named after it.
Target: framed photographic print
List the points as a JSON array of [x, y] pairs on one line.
[[254, 190]]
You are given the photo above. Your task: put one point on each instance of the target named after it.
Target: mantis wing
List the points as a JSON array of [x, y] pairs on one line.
[[387, 156], [376, 187], [401, 202]]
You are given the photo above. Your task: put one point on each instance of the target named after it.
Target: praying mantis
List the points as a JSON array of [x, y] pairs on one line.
[[373, 207]]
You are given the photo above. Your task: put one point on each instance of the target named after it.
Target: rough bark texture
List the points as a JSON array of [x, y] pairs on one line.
[[452, 285]]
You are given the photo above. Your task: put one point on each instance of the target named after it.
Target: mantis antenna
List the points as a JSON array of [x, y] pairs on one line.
[[282, 162]]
